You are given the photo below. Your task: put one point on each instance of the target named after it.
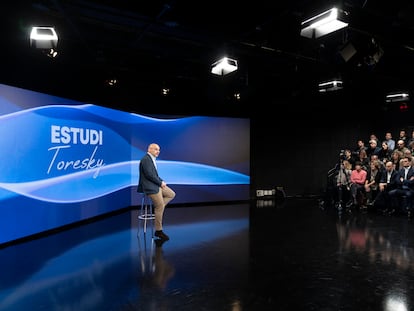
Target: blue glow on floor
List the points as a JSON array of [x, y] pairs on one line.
[[93, 274]]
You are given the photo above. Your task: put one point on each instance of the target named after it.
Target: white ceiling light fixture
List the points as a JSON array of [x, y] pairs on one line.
[[43, 38], [324, 23], [224, 66], [397, 97], [332, 85]]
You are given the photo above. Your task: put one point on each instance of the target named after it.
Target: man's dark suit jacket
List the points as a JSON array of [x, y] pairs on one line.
[[394, 180], [408, 183], [149, 181]]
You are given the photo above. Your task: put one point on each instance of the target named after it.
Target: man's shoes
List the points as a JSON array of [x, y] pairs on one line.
[[370, 203], [160, 234], [159, 242]]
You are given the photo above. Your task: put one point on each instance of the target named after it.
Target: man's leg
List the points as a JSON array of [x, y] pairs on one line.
[[159, 201], [158, 204], [409, 202], [168, 194], [393, 201]]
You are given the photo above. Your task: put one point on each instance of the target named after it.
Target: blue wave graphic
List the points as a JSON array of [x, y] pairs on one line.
[[92, 184], [28, 133], [63, 161]]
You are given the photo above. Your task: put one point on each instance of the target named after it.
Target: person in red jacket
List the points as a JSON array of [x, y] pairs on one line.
[[358, 177]]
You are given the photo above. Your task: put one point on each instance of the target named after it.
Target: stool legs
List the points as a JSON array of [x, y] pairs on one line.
[[146, 212]]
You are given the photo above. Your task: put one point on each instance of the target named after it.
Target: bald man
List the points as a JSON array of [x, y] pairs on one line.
[[151, 184]]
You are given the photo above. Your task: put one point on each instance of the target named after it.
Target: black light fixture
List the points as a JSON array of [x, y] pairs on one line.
[[375, 52]]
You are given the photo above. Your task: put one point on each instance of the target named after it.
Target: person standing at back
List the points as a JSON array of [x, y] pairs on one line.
[[390, 141], [151, 184], [403, 136]]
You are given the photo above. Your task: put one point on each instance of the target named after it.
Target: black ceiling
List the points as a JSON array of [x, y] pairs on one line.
[[147, 45]]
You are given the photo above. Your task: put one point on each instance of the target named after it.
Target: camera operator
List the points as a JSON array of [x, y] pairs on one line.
[[343, 182]]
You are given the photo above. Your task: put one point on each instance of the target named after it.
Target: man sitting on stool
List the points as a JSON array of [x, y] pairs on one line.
[[156, 188]]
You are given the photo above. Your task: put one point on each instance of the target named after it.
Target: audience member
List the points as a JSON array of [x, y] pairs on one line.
[[374, 137], [360, 146], [396, 156], [372, 181], [363, 159], [390, 141], [349, 157], [373, 148], [343, 182], [403, 193], [401, 145], [403, 136], [358, 177], [384, 154], [388, 182], [410, 140]]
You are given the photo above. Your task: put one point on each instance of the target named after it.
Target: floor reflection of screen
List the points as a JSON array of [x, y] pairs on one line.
[[63, 161]]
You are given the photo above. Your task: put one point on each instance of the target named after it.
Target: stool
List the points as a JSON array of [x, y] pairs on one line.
[[146, 211]]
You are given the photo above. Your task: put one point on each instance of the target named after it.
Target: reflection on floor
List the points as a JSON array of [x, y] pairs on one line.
[[263, 255]]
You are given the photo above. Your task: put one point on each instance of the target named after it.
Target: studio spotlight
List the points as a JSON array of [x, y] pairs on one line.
[[397, 97], [224, 66], [43, 38], [324, 23], [111, 82], [332, 85], [165, 91]]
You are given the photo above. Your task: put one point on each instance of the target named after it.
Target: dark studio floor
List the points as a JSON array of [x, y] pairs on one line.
[[264, 255]]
